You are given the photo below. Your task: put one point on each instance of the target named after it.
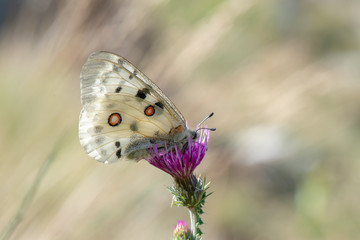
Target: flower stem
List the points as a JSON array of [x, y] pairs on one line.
[[193, 220]]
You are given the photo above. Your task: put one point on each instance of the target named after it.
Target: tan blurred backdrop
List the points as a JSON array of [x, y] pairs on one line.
[[282, 77]]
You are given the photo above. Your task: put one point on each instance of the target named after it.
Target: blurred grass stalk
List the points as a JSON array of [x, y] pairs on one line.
[[29, 196]]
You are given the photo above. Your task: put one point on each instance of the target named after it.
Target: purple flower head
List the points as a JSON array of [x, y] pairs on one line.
[[180, 163]]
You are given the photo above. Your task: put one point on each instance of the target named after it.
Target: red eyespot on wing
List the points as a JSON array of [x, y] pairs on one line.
[[149, 110], [114, 119]]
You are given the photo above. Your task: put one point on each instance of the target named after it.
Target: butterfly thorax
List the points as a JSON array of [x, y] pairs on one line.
[[179, 134]]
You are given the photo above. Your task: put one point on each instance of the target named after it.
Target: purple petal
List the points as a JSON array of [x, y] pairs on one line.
[[177, 163]]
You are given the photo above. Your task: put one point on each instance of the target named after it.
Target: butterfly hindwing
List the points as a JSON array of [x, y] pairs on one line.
[[124, 113]]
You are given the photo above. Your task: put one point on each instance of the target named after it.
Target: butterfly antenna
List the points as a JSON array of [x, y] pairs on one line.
[[211, 129], [210, 115]]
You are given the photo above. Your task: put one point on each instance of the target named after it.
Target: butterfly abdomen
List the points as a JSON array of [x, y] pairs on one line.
[[140, 148]]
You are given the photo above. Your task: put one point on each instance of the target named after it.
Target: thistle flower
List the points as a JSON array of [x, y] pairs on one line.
[[181, 231], [181, 164], [188, 190]]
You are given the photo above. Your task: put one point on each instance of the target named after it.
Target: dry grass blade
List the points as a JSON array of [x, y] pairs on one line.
[[29, 196]]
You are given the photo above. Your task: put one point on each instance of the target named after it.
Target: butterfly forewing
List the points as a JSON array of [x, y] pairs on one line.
[[123, 111]]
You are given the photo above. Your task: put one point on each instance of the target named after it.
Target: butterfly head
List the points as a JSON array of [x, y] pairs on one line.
[[193, 134], [181, 134]]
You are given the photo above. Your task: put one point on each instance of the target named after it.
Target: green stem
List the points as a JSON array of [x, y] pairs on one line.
[[192, 212], [195, 222]]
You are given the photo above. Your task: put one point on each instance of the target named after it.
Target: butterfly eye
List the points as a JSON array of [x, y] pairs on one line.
[[149, 110], [114, 119]]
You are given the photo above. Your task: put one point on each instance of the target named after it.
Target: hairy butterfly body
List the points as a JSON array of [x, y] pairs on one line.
[[124, 113]]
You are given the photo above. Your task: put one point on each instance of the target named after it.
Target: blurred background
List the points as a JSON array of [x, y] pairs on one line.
[[282, 77]]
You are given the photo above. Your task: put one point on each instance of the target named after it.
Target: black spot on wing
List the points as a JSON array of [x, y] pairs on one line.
[[160, 105], [118, 153], [117, 144], [118, 89], [134, 126], [141, 94], [98, 129]]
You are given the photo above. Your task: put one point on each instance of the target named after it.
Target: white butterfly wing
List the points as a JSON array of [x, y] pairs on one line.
[[124, 112]]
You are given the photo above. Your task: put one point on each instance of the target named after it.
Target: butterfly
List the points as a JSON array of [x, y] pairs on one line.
[[124, 113]]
